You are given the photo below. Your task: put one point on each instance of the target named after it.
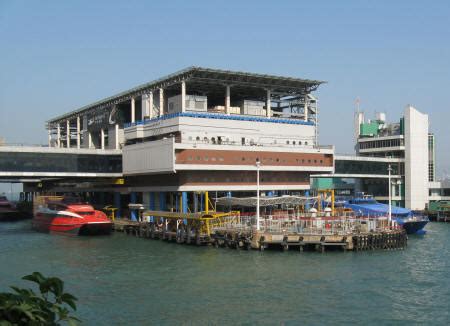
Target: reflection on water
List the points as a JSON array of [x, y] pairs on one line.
[[122, 279]]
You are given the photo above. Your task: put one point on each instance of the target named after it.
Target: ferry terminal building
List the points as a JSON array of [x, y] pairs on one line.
[[166, 142]]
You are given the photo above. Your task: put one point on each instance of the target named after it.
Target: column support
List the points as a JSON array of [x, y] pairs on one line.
[[89, 139], [183, 96], [161, 102], [133, 110], [184, 202], [78, 132], [116, 134], [162, 201], [150, 100], [227, 99], [58, 135], [102, 138], [184, 205], [68, 133], [307, 205], [49, 137], [117, 203], [144, 107], [306, 107], [152, 204], [133, 198], [268, 104]]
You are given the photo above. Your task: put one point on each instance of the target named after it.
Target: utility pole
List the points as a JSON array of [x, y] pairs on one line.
[[258, 164], [389, 194]]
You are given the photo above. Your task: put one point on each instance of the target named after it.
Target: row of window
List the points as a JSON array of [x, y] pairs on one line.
[[361, 167], [381, 143], [220, 140], [60, 162], [252, 160], [252, 179]]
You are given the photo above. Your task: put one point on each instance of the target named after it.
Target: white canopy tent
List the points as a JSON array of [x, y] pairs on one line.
[[265, 201]]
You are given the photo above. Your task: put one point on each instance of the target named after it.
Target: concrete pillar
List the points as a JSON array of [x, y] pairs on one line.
[[133, 110], [116, 136], [306, 108], [58, 135], [102, 138], [68, 133], [150, 106], [307, 204], [117, 203], [78, 132], [195, 202], [162, 201], [152, 200], [184, 202], [89, 139], [144, 106], [161, 102], [151, 204], [227, 99], [49, 137], [133, 198], [268, 104], [183, 96]]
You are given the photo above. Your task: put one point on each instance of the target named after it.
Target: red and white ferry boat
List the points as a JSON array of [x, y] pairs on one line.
[[57, 214]]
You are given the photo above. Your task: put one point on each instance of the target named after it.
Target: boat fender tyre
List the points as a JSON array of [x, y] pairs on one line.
[[261, 243]]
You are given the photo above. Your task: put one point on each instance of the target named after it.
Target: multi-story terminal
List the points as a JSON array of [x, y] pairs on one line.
[[167, 141], [203, 130]]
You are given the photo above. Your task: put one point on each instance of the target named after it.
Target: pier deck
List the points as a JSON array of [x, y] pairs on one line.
[[247, 238]]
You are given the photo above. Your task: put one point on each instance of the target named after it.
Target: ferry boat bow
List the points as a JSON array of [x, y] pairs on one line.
[[70, 216]]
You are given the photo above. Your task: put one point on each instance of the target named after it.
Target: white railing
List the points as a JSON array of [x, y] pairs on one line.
[[342, 225]]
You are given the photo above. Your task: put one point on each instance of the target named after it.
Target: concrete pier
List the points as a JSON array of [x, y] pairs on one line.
[[176, 230]]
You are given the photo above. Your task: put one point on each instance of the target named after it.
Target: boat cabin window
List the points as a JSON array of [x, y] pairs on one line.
[[53, 207], [85, 213]]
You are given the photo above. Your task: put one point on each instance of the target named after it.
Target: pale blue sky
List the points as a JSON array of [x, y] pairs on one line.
[[59, 55]]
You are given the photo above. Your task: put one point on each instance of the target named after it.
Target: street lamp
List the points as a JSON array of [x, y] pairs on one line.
[[389, 194], [258, 164]]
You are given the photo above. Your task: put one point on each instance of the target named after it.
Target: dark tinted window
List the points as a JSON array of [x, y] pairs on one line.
[[59, 162]]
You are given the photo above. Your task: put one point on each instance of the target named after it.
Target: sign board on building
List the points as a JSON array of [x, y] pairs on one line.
[[102, 119]]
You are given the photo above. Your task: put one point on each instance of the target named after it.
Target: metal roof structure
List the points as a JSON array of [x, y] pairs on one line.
[[206, 79]]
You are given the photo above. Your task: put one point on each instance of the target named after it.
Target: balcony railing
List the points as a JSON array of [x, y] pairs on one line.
[[219, 116]]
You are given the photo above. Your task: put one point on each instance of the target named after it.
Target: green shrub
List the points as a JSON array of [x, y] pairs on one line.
[[49, 307]]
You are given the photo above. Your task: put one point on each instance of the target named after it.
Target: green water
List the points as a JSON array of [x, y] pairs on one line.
[[126, 280]]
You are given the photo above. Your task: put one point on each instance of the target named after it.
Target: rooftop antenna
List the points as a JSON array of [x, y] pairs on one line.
[[357, 103], [358, 120]]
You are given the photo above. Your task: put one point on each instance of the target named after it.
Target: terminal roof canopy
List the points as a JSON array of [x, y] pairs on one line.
[[206, 80]]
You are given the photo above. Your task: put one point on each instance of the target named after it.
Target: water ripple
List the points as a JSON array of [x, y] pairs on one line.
[[125, 280]]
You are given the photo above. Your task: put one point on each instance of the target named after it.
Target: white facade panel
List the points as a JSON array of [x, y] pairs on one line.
[[416, 159], [149, 157], [231, 132]]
